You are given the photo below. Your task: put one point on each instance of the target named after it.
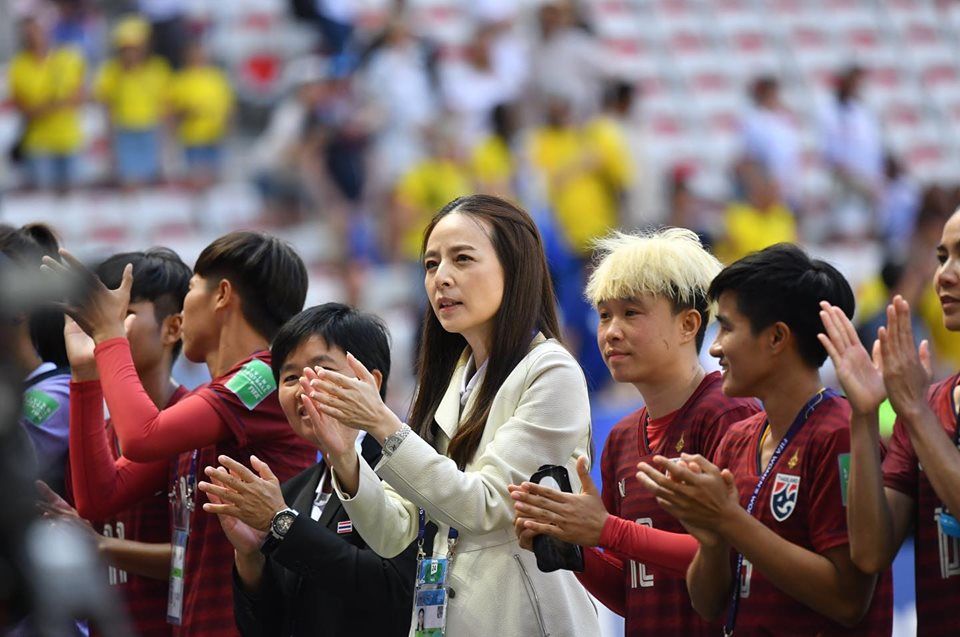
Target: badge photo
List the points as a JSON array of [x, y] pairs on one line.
[[783, 496]]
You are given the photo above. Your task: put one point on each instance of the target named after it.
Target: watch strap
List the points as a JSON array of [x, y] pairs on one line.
[[393, 441]]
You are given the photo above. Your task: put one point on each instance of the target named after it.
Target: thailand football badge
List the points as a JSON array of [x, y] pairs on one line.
[[783, 497]]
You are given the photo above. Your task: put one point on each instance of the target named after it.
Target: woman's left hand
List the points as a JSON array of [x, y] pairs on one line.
[[354, 402]]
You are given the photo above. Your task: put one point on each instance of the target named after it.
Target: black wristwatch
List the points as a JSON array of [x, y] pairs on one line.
[[279, 527]]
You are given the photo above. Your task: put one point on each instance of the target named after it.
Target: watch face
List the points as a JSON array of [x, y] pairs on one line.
[[283, 522]]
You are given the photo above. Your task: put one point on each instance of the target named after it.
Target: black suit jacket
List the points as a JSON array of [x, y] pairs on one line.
[[319, 582]]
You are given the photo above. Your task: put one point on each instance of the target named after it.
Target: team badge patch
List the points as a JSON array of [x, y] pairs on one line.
[[783, 497]]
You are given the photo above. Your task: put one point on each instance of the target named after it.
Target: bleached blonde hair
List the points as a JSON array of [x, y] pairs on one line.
[[669, 262]]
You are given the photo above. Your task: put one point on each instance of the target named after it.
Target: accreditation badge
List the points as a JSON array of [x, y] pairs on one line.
[[178, 559], [430, 598]]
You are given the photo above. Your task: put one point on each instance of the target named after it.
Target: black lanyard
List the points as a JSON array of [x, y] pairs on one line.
[[795, 427]]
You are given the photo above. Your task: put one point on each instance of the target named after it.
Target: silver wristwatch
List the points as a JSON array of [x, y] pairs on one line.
[[393, 440]]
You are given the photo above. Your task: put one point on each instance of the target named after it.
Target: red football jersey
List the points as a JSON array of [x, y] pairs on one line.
[[803, 502], [146, 521], [936, 555], [248, 404], [656, 600]]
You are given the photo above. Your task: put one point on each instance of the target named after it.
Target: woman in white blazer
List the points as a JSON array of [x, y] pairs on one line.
[[498, 397]]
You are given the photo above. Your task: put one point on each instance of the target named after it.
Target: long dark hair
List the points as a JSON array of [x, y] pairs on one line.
[[528, 306]]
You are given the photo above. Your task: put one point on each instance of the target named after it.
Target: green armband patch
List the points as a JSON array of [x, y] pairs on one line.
[[844, 460], [38, 406], [253, 383]]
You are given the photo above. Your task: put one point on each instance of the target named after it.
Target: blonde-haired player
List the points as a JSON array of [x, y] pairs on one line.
[[651, 293]]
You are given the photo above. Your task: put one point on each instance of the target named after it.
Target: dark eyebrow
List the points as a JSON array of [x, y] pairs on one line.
[[316, 360], [723, 319], [460, 247]]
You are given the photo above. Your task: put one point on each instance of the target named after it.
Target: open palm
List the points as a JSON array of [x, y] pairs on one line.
[[80, 346], [333, 438], [860, 375]]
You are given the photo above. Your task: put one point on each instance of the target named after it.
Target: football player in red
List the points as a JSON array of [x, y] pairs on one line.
[[651, 294], [780, 500], [917, 486]]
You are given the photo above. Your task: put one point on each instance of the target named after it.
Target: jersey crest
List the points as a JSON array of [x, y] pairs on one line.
[[783, 496]]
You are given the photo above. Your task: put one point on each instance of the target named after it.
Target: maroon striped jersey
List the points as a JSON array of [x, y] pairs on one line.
[[936, 555], [802, 501], [146, 521], [656, 601], [258, 427]]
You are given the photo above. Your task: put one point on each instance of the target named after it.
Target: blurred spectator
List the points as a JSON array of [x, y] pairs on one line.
[[898, 207], [769, 137], [79, 24], [46, 85], [644, 200], [201, 101], [759, 220], [473, 86], [567, 61], [852, 149], [426, 188], [278, 154], [397, 83], [133, 85], [333, 20], [168, 28], [492, 162], [906, 278], [586, 170]]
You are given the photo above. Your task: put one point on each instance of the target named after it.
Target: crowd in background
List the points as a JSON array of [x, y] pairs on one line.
[[377, 129]]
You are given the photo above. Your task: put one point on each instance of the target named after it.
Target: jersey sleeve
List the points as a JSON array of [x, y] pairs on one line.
[[246, 403], [146, 433], [900, 469], [101, 485], [670, 551], [603, 576], [827, 513]]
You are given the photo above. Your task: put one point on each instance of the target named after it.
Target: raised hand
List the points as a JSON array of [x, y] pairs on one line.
[[576, 518], [253, 499], [860, 376], [99, 311], [906, 368], [334, 439], [354, 402], [80, 348]]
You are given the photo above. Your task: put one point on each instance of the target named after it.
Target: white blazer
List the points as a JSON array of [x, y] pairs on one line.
[[540, 415]]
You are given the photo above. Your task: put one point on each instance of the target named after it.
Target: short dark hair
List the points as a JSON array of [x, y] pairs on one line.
[[267, 273], [25, 247], [363, 335], [159, 276], [783, 284]]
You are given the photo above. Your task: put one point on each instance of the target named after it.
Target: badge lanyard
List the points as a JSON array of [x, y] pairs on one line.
[[946, 521], [798, 422], [181, 501], [430, 593]]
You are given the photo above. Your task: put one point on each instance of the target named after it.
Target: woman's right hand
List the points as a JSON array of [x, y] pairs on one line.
[[337, 442]]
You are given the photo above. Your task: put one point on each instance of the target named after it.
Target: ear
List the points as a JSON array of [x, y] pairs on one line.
[[225, 294], [377, 377], [170, 329], [690, 322], [779, 337]]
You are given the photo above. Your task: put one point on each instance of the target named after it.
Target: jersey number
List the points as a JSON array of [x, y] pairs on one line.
[[639, 578], [117, 575]]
